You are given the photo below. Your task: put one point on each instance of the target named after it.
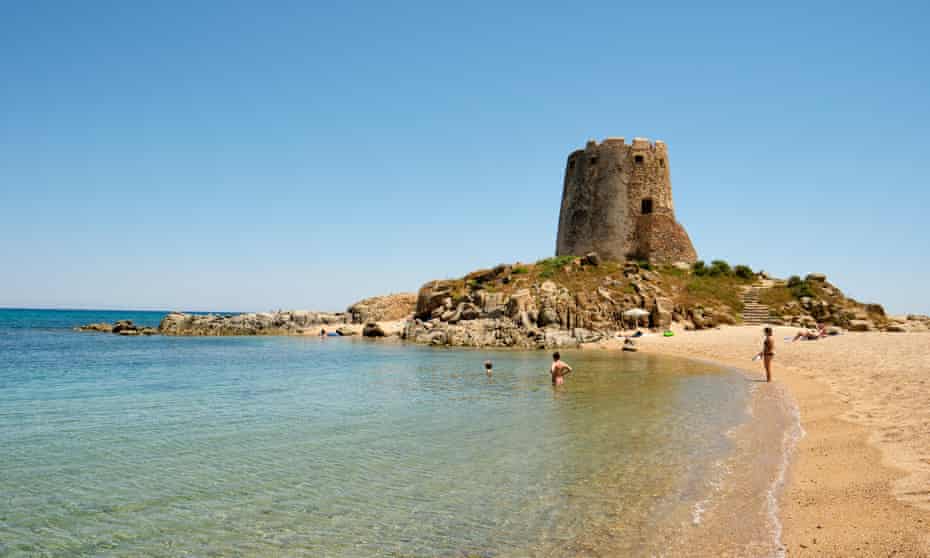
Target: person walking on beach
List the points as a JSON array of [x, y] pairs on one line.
[[558, 370], [768, 353]]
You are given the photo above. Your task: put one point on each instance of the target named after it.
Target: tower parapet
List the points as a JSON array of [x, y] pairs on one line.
[[617, 201]]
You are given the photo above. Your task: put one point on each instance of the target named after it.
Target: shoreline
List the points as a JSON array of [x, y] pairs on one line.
[[869, 474]]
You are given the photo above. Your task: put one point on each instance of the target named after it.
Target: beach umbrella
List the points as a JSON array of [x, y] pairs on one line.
[[635, 313]]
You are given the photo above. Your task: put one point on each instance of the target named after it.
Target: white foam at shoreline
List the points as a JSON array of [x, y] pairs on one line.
[[790, 439]]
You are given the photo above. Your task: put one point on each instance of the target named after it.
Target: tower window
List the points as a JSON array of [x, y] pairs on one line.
[[647, 206], [662, 162], [593, 160], [571, 164], [638, 159]]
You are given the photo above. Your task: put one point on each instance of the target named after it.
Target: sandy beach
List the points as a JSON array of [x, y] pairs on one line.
[[859, 481]]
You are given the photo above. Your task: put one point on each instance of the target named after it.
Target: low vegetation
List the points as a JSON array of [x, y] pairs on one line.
[[550, 266]]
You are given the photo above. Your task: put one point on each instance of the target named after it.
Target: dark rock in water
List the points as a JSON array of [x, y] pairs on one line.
[[373, 330], [101, 327], [124, 325], [121, 327]]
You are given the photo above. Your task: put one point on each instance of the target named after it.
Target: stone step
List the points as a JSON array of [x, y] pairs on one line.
[[754, 312]]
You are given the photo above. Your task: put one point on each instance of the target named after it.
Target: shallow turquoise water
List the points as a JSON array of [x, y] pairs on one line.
[[116, 446]]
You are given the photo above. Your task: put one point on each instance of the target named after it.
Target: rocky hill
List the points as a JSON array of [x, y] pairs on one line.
[[560, 302], [566, 301]]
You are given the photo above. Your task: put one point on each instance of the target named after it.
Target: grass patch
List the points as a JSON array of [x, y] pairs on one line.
[[776, 297], [549, 267], [721, 290]]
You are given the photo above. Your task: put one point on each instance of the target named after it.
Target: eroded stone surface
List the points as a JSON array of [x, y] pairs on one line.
[[617, 202]]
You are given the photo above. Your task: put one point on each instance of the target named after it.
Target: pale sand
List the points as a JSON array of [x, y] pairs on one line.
[[859, 483]]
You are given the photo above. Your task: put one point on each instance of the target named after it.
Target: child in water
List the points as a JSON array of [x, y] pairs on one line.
[[488, 365], [558, 370]]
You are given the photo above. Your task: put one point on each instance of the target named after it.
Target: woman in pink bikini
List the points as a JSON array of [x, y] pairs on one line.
[[558, 370]]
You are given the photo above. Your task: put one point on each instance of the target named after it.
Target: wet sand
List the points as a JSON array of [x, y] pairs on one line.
[[859, 481]]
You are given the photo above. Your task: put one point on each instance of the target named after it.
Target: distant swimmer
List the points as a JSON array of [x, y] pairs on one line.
[[323, 333], [558, 370], [488, 366]]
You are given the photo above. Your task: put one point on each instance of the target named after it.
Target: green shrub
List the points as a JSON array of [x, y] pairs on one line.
[[719, 268], [794, 281], [644, 264], [743, 272], [673, 271], [557, 261], [699, 268], [549, 266], [802, 289], [520, 270]]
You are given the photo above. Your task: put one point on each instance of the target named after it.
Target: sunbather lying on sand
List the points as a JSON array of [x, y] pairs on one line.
[[811, 334]]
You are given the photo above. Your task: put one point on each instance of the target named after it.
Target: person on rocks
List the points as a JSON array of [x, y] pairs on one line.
[[558, 370]]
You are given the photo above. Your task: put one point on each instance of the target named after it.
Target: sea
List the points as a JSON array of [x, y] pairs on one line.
[[349, 447]]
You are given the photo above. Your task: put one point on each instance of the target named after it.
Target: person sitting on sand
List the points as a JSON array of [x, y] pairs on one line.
[[558, 370], [812, 334], [768, 353], [488, 365]]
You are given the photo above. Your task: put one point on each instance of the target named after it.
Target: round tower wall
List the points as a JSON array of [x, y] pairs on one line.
[[596, 214], [614, 196]]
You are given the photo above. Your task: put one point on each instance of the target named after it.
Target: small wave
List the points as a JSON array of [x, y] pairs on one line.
[[790, 439], [720, 471]]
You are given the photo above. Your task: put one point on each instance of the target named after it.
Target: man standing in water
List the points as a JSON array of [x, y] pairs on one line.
[[768, 353], [558, 370]]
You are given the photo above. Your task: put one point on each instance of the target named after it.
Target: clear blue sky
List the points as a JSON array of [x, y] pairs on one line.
[[257, 155]]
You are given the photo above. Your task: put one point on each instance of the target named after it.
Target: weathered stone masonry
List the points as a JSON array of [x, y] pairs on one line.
[[617, 201]]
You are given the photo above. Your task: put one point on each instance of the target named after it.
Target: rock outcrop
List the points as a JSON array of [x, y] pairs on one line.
[[558, 302], [293, 322], [121, 327], [383, 308], [562, 302], [814, 300]]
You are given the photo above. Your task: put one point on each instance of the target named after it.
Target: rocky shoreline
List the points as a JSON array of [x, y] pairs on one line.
[[559, 302]]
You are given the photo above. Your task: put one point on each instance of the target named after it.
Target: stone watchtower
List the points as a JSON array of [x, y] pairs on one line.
[[617, 201]]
